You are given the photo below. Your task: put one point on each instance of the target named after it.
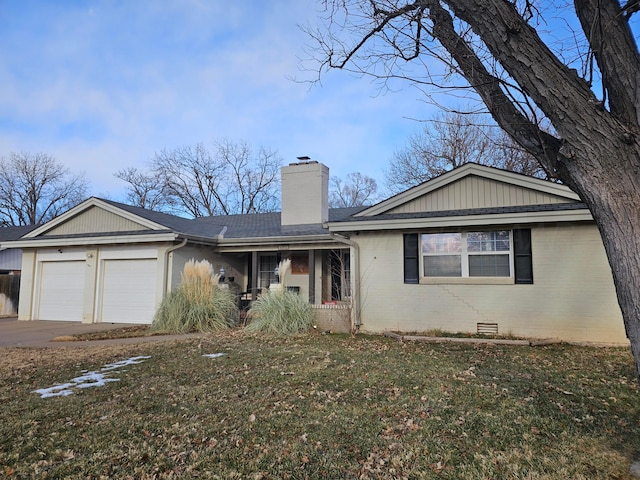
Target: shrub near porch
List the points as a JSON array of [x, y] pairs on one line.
[[198, 304]]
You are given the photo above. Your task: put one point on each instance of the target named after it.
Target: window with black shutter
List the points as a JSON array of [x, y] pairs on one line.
[[411, 258], [523, 260]]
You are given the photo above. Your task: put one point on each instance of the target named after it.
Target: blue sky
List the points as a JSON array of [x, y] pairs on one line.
[[103, 84]]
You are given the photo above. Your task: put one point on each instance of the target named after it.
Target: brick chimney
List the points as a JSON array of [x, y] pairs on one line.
[[305, 192]]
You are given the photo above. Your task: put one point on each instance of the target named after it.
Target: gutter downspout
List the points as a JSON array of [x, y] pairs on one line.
[[355, 276], [167, 281]]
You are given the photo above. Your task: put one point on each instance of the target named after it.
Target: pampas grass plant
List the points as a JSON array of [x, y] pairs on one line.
[[198, 304], [280, 311]]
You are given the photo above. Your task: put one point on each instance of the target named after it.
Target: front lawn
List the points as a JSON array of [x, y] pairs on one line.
[[321, 407]]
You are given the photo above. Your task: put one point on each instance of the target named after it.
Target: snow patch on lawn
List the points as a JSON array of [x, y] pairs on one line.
[[90, 379]]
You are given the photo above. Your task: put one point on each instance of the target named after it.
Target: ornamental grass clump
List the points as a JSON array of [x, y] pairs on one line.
[[198, 304], [280, 311]]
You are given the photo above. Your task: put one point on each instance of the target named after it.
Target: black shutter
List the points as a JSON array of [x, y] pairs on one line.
[[523, 259], [411, 270]]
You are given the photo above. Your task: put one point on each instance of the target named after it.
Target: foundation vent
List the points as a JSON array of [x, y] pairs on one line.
[[487, 328]]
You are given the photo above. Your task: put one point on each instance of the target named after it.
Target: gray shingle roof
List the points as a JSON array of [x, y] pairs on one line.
[[13, 233], [251, 225], [258, 225], [172, 222]]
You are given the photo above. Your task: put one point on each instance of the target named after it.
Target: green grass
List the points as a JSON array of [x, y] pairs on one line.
[[322, 406]]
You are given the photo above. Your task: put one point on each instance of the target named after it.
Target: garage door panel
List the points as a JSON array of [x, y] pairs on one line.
[[61, 290], [128, 290]]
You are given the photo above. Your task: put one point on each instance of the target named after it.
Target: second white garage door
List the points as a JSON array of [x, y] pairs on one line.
[[128, 291]]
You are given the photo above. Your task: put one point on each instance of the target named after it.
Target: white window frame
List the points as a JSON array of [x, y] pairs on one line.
[[267, 277], [464, 256]]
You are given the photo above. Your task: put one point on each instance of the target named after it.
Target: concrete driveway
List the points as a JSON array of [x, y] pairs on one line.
[[39, 333]]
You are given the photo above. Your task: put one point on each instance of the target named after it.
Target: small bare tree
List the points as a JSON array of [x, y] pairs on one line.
[[230, 178], [144, 190], [191, 178], [356, 191], [253, 179], [450, 140], [35, 187]]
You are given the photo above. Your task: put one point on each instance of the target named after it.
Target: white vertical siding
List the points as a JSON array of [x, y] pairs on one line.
[[572, 297], [95, 220], [11, 259]]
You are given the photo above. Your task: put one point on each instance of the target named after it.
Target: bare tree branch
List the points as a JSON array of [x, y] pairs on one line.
[[34, 188], [199, 181], [144, 190], [592, 144], [356, 191], [450, 140]]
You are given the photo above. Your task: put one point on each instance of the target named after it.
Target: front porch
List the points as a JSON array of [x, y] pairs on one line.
[[323, 275]]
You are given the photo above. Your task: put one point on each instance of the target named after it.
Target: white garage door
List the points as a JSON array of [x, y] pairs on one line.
[[61, 291], [128, 291]]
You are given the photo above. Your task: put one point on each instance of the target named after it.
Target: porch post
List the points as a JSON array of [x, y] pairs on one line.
[[312, 277], [254, 275]]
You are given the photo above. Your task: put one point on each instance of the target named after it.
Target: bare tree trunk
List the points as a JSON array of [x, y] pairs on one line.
[[615, 205], [594, 143]]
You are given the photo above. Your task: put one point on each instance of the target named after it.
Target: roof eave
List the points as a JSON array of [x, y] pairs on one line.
[[43, 242], [519, 218], [276, 240]]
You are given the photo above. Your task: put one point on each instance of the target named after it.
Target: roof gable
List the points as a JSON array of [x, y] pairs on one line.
[[94, 216], [474, 186]]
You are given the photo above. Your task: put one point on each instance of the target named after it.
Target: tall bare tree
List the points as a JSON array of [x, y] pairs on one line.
[[588, 92], [35, 187], [450, 140], [355, 191], [198, 181]]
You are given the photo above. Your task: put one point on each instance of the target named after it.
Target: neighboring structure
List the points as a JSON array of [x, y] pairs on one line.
[[10, 267], [477, 249]]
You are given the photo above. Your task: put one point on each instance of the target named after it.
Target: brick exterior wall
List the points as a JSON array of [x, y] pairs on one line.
[[336, 318]]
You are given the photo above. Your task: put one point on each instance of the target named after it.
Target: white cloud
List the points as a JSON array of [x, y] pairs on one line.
[[104, 87]]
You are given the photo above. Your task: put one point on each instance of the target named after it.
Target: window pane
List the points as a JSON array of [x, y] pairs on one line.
[[266, 270], [489, 266], [475, 241], [502, 245], [442, 243], [443, 266], [497, 241], [502, 241]]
